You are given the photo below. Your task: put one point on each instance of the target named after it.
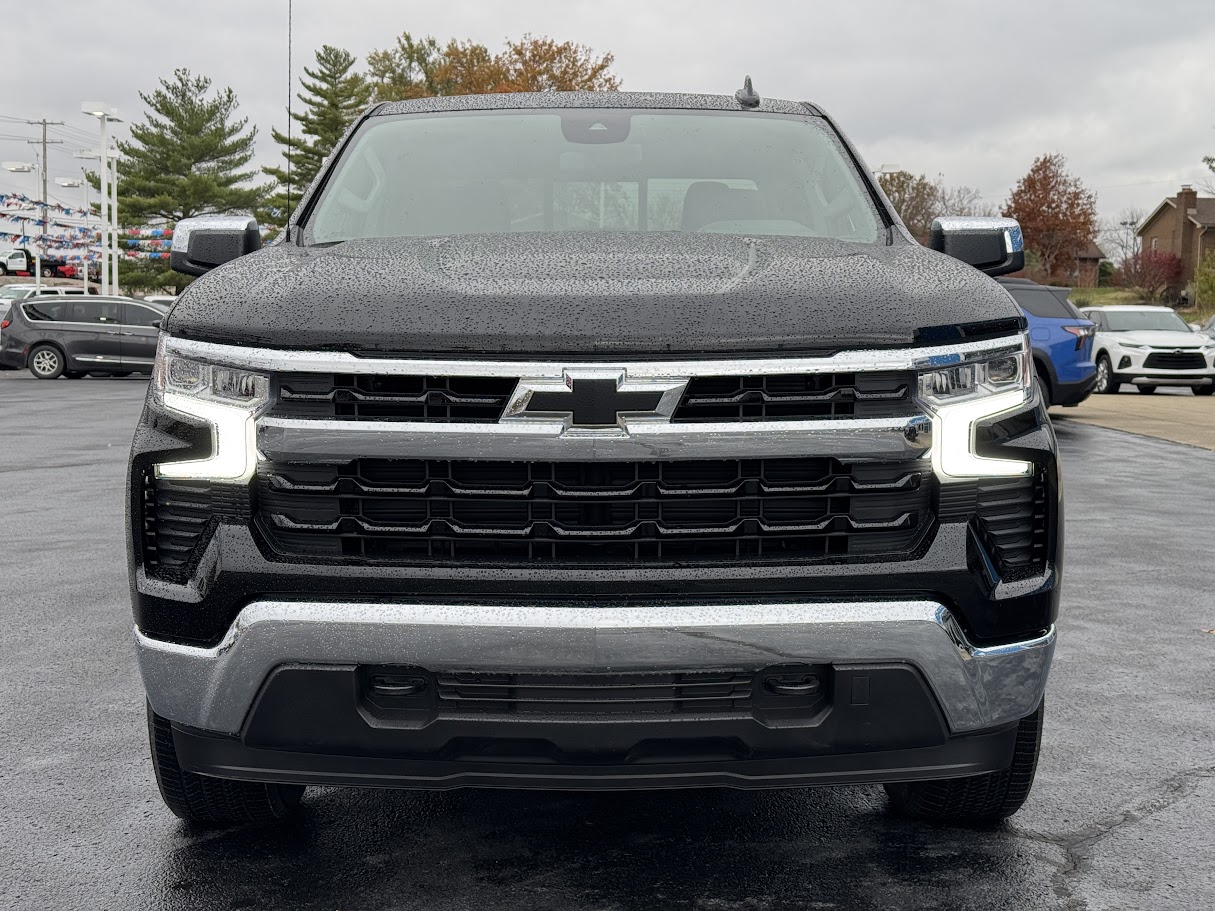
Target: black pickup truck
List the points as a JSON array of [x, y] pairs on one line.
[[594, 441]]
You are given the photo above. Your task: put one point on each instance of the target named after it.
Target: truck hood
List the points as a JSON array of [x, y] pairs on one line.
[[582, 295], [1161, 338]]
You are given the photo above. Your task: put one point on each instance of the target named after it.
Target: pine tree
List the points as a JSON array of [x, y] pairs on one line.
[[186, 158], [333, 98]]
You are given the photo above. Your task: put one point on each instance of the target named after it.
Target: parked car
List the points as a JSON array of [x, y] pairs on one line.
[[70, 336], [1150, 347], [1061, 339], [16, 292], [599, 441]]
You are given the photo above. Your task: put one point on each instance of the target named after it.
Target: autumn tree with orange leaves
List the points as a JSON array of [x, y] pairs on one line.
[[1058, 215], [422, 68]]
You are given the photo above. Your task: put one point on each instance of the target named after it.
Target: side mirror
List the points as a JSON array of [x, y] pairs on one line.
[[991, 245], [200, 244]]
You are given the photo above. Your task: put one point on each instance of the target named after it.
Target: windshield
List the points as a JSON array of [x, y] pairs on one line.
[[593, 170], [1130, 320], [10, 294]]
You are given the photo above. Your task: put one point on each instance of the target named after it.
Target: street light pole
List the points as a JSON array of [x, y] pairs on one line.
[[114, 223], [105, 221], [75, 183], [105, 114]]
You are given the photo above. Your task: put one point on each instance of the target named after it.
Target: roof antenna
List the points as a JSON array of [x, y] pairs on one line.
[[746, 95]]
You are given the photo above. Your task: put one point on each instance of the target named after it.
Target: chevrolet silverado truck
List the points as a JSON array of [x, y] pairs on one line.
[[594, 441]]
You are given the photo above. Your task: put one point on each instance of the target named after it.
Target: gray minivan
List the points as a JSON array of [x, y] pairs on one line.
[[74, 335]]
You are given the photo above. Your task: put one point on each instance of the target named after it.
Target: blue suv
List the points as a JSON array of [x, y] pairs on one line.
[[1061, 338]]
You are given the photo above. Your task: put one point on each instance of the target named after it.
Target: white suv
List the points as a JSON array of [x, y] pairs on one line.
[[1150, 347]]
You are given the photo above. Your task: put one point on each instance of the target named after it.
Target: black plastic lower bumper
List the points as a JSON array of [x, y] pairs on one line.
[[322, 726], [1072, 393]]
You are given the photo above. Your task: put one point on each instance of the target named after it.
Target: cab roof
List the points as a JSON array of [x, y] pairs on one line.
[[654, 100]]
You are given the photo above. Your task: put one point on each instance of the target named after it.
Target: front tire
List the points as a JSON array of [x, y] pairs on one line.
[[1105, 377], [1203, 390], [977, 798], [1146, 390], [46, 362], [214, 801]]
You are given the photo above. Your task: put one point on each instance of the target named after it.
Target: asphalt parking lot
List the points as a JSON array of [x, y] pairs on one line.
[[1120, 817]]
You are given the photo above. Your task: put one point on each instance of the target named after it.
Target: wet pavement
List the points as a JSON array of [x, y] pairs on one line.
[[1120, 816], [1172, 413]]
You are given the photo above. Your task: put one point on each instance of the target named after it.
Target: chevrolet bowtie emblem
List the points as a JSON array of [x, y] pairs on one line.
[[596, 400]]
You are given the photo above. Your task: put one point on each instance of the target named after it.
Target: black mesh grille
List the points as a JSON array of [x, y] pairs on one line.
[[1012, 519], [1169, 360], [482, 399], [796, 397], [709, 692], [630, 512], [175, 518], [355, 397]]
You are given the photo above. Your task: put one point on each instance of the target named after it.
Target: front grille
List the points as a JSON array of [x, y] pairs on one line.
[[693, 693], [474, 399], [1012, 520], [362, 397], [611, 512], [175, 515], [1170, 360], [796, 397]]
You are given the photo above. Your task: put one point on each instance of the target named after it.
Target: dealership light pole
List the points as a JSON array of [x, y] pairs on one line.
[[106, 115], [96, 156], [77, 183], [24, 167]]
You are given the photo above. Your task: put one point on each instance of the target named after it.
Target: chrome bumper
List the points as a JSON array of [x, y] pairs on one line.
[[214, 688]]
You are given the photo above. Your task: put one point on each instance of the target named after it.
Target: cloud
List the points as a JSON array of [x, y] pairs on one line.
[[973, 91]]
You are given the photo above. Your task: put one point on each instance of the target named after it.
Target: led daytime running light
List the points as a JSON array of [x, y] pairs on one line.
[[233, 442]]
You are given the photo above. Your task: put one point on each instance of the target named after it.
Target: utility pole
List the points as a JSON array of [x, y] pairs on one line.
[[45, 167]]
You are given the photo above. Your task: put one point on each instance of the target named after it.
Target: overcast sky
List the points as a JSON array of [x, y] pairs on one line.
[[1124, 88]]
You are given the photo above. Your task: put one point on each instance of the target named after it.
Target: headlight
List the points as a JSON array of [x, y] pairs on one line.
[[227, 398], [1128, 344], [960, 395]]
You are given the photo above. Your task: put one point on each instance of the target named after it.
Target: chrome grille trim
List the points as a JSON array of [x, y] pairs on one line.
[[271, 359], [865, 439]]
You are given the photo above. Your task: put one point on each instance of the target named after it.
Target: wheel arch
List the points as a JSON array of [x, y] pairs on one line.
[[48, 343]]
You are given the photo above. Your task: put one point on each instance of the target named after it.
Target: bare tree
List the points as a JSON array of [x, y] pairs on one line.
[[919, 200], [959, 200], [1119, 236]]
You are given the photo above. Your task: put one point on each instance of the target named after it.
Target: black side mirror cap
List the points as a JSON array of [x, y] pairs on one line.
[[200, 244], [991, 245]]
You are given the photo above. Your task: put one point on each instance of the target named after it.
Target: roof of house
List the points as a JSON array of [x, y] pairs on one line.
[[1206, 212], [1204, 215], [1092, 251]]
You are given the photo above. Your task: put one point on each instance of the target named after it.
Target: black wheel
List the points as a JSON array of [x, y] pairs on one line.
[[1203, 390], [73, 374], [1146, 390], [979, 798], [1105, 376], [3, 271], [1043, 388], [214, 801], [122, 373], [46, 362]]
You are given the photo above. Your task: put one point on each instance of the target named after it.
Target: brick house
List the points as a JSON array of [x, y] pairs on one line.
[[1184, 225], [1088, 267]]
